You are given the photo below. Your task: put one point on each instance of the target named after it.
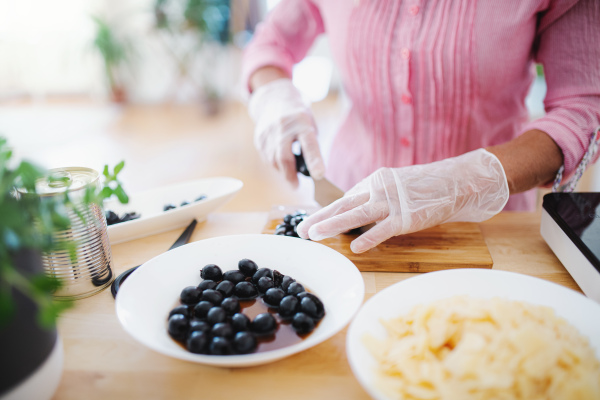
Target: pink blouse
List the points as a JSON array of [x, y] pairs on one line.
[[435, 79]]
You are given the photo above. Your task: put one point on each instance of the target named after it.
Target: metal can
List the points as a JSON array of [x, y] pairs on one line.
[[83, 269]]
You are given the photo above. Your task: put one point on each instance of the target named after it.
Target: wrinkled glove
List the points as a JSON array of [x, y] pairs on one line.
[[282, 117], [471, 187]]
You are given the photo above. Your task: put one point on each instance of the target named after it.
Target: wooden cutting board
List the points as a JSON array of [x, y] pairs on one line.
[[451, 245]]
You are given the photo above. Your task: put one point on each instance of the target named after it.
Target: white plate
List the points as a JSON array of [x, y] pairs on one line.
[[149, 205], [398, 299], [146, 297]]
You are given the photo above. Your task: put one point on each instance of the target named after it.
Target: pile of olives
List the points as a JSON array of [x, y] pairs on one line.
[[169, 206], [210, 319], [290, 223], [113, 218]]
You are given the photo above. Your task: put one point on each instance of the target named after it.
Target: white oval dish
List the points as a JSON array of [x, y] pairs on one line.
[[400, 298], [150, 204], [146, 297]]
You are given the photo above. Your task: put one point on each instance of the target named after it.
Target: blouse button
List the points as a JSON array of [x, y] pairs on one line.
[[413, 10], [406, 99], [405, 141], [405, 53]]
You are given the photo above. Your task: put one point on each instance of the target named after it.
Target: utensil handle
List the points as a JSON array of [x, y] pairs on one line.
[[181, 240], [300, 163]]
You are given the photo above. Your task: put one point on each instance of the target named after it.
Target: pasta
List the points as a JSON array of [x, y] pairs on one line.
[[465, 348]]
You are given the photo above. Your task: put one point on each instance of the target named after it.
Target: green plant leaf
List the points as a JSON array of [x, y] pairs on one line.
[[121, 195], [105, 171], [42, 284], [119, 167]]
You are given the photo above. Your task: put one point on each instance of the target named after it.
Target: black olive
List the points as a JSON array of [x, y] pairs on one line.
[[231, 305], [216, 315], [277, 278], [168, 207], [226, 288], [244, 342], [219, 346], [184, 309], [184, 203], [201, 309], [202, 197], [240, 322], [178, 326], [207, 284], [265, 283], [302, 323], [296, 221], [111, 217], [200, 326], [245, 290], [223, 329], [248, 267], [280, 231], [260, 273], [288, 306], [295, 288], [212, 295], [291, 233], [285, 282], [197, 342], [190, 295], [129, 217], [273, 297], [264, 324], [235, 276], [313, 306], [299, 213], [288, 218], [212, 272]]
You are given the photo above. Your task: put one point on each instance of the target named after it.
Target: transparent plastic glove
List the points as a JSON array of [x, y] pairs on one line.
[[281, 117], [471, 187]]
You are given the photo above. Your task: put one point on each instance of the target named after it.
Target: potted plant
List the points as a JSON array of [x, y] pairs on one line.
[[31, 351], [195, 28], [116, 53]]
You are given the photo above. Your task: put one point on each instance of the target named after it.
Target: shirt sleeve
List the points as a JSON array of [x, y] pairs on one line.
[[568, 46], [284, 38]]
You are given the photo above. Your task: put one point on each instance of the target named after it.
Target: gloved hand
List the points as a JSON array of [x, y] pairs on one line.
[[281, 117], [471, 187]]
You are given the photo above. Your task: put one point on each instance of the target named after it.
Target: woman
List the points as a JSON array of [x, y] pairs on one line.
[[438, 129]]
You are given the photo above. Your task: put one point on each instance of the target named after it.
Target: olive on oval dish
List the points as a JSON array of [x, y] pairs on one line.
[[311, 305], [182, 309], [207, 284], [219, 346], [231, 306], [295, 288], [286, 281], [201, 326], [288, 306], [265, 283], [223, 329]]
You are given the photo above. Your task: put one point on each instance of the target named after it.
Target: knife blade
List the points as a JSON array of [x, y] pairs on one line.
[[181, 240], [325, 191]]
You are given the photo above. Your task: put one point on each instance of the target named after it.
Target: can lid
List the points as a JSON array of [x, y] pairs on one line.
[[60, 180]]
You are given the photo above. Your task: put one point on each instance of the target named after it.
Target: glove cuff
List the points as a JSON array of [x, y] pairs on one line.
[[275, 100]]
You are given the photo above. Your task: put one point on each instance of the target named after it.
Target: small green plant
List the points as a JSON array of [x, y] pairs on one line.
[[115, 51], [26, 223]]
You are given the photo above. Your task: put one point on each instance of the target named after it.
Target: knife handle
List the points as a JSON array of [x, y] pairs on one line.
[[300, 163]]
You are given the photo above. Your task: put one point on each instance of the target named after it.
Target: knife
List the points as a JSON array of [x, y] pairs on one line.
[[181, 240], [325, 191]]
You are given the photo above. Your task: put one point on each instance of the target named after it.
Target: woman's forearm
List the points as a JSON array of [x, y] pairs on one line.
[[529, 161], [265, 75]]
